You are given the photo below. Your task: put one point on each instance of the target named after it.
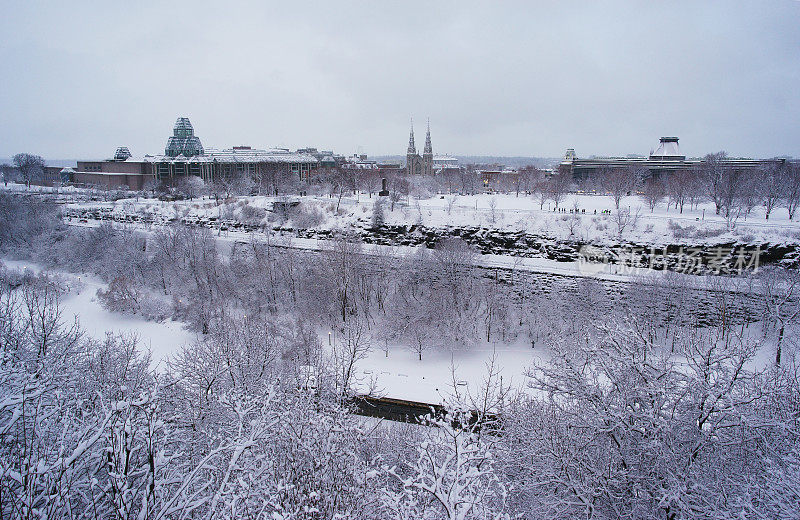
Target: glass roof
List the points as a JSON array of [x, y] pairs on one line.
[[122, 153], [183, 141]]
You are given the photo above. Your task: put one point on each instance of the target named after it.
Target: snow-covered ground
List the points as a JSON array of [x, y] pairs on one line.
[[460, 376], [395, 371], [696, 225], [442, 375], [439, 373], [507, 212], [161, 339], [399, 375]]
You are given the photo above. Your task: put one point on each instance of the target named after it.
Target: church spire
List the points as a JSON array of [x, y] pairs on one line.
[[428, 147], [427, 155], [412, 149]]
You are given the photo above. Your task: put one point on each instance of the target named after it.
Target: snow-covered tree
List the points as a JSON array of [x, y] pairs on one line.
[[452, 477], [624, 429]]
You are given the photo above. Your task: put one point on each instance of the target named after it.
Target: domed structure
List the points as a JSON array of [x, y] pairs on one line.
[[122, 154], [183, 141]]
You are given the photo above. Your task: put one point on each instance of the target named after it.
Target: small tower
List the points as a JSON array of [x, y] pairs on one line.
[[427, 154]]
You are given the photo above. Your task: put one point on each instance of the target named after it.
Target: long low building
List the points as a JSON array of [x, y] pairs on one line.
[[214, 163], [185, 155], [666, 159]]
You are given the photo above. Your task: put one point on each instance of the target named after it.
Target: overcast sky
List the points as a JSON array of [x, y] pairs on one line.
[[501, 78]]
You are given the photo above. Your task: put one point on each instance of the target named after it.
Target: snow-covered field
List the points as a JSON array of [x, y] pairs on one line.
[[580, 216], [524, 214], [443, 376]]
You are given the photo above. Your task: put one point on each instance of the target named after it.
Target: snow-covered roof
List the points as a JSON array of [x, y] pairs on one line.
[[255, 155], [444, 158], [363, 165], [234, 155]]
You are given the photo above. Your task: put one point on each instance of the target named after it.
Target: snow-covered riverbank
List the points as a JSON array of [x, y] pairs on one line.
[[161, 339]]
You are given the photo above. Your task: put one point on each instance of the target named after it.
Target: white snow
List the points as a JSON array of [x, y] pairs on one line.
[[442, 375], [695, 226], [161, 339], [437, 375]]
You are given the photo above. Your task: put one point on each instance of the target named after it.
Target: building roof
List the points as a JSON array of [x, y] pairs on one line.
[[233, 155], [444, 158], [183, 141], [668, 150], [245, 155]]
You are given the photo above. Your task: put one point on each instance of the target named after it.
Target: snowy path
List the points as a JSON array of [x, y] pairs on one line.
[[440, 375]]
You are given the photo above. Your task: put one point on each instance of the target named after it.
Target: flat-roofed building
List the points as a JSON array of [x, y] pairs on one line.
[[498, 180], [123, 170], [391, 167], [444, 161], [666, 159]]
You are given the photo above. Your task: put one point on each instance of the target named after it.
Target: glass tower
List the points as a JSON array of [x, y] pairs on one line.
[[183, 141]]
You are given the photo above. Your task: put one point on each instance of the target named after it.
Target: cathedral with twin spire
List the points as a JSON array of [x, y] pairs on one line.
[[416, 164]]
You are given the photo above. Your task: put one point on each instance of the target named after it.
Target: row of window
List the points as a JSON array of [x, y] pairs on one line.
[[164, 169]]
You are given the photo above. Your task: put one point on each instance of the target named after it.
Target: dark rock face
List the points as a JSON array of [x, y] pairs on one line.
[[720, 258], [716, 258]]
